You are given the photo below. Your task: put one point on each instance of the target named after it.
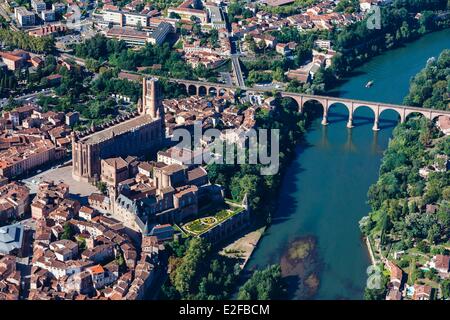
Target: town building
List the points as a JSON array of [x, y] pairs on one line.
[[72, 118], [48, 198], [25, 153], [441, 263], [10, 278], [187, 9], [422, 292], [48, 15], [59, 7], [38, 5], [159, 35], [11, 239], [139, 38], [24, 17], [443, 124], [14, 201], [215, 16], [15, 60]]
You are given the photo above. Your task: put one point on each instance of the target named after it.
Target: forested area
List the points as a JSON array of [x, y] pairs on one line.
[[21, 40], [266, 284], [196, 273], [119, 56], [402, 22], [29, 80], [430, 88]]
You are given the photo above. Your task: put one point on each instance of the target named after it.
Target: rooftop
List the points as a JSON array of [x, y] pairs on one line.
[[117, 129], [11, 238]]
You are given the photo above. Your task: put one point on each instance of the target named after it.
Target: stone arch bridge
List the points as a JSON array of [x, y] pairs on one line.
[[325, 101]]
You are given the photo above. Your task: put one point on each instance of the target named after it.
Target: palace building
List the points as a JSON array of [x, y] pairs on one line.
[[134, 134]]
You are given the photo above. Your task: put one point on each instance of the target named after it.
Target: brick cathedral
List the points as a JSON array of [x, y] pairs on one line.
[[131, 135]]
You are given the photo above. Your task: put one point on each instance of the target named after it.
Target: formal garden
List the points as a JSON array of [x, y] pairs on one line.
[[208, 221]]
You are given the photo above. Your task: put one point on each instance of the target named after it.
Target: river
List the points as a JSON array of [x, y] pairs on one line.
[[324, 191]]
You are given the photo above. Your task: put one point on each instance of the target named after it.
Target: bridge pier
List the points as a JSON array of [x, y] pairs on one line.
[[350, 121], [324, 119], [375, 124]]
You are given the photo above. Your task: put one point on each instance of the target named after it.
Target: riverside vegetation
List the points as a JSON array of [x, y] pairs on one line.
[[411, 211]]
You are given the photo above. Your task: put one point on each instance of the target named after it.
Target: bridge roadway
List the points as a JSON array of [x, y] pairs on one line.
[[325, 101], [237, 71]]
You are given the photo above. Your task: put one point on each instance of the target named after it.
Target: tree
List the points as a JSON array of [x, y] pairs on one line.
[[120, 261], [92, 65], [68, 232], [102, 187], [174, 15], [445, 285], [139, 26], [264, 284], [187, 271]]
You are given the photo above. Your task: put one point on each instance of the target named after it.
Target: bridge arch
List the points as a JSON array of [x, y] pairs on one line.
[[339, 112], [409, 113], [191, 89], [293, 101], [435, 117], [222, 92], [212, 91], [385, 110], [415, 114], [364, 114], [316, 105], [202, 90], [372, 107], [384, 116], [183, 85], [333, 103], [297, 99], [322, 102]]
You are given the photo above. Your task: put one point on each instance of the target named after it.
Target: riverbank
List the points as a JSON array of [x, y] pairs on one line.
[[370, 250], [243, 247]]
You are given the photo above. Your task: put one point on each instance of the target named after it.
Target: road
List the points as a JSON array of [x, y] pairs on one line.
[[33, 95], [237, 71], [4, 12], [30, 97], [78, 61], [226, 78]]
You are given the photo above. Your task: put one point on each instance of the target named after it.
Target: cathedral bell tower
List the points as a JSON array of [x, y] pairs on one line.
[[152, 98]]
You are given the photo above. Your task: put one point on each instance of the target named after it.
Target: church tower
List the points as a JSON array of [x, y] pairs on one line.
[[152, 98]]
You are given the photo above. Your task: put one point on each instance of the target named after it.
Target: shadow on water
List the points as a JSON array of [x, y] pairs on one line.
[[292, 283], [288, 200], [337, 117], [387, 124], [362, 120]]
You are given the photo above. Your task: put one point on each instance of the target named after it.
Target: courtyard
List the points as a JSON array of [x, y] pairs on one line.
[[78, 190]]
